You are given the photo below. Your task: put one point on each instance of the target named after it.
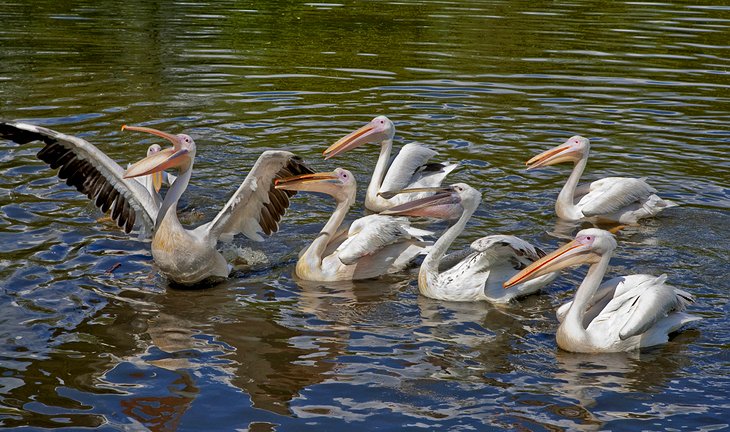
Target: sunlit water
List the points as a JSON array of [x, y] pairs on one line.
[[93, 336]]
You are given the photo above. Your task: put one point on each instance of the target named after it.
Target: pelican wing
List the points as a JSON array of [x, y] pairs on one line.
[[506, 249], [493, 260], [257, 207], [372, 233], [91, 172], [612, 194], [410, 168], [641, 304], [500, 256], [606, 292]]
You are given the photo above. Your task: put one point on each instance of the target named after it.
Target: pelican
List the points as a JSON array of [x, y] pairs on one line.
[[409, 169], [611, 199], [153, 182], [623, 313], [372, 246], [183, 256], [477, 273]]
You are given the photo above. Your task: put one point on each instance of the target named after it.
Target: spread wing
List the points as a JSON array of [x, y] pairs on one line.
[[612, 194], [257, 207], [410, 168], [91, 172], [372, 233]]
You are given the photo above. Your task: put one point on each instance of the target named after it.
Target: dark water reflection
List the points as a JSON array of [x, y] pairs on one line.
[[92, 336]]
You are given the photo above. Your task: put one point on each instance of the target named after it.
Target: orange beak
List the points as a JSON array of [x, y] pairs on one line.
[[561, 153], [571, 254], [350, 141]]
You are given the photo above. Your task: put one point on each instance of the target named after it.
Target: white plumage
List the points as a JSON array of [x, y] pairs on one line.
[[614, 199], [372, 245], [479, 272], [184, 256], [623, 313], [409, 169]]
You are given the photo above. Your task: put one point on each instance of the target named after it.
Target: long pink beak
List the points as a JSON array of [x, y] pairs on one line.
[[350, 141], [162, 160], [444, 204]]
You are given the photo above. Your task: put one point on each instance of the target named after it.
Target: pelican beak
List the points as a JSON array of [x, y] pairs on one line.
[[175, 157], [562, 153], [443, 204], [571, 254], [350, 141], [160, 161], [170, 137], [157, 180], [307, 182]]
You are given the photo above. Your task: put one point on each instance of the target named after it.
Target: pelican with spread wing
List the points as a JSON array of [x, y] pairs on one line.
[[611, 199], [409, 169], [623, 313], [184, 256], [371, 246], [478, 272]]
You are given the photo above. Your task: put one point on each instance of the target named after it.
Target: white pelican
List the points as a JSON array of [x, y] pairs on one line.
[[623, 313], [409, 169], [372, 246], [612, 199], [153, 182], [476, 273], [184, 256]]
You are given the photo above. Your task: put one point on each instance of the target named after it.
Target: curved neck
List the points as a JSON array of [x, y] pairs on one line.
[[381, 167], [573, 322], [319, 245], [565, 204], [168, 211], [438, 250]]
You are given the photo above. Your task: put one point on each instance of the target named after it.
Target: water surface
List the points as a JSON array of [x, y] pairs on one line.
[[486, 83]]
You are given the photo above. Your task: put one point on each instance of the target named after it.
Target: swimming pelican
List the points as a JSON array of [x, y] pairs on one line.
[[372, 246], [623, 313], [184, 256], [153, 182], [614, 199], [478, 272], [409, 169]]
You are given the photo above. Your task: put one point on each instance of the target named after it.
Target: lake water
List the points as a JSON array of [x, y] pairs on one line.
[[93, 336]]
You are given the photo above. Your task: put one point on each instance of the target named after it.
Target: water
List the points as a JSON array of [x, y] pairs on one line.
[[93, 336]]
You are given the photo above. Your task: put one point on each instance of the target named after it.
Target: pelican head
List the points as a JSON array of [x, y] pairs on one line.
[[339, 184], [378, 130], [572, 150], [446, 202], [156, 177], [588, 247], [180, 156]]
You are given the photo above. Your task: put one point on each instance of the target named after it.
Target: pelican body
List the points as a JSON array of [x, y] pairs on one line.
[[479, 272], [372, 246], [611, 199], [623, 313], [183, 256], [409, 169]]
